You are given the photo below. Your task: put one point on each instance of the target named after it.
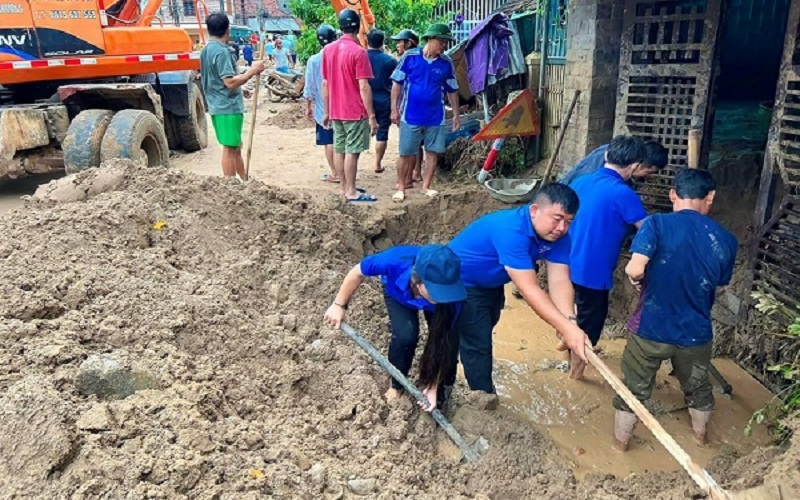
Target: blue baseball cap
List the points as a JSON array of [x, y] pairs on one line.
[[440, 270]]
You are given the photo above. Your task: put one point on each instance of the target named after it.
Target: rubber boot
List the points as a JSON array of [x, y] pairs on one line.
[[624, 423], [700, 420]]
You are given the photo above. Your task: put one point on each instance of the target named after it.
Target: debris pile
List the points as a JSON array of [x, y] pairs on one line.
[[162, 337]]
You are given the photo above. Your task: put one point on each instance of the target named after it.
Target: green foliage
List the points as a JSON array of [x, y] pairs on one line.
[[787, 402], [391, 16], [312, 13]]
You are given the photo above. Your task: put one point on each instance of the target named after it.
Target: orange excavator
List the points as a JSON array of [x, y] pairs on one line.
[[83, 81]]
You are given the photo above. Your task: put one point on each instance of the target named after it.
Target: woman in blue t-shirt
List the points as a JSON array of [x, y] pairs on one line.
[[415, 278]]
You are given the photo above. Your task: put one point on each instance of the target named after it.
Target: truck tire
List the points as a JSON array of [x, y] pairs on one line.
[[192, 130], [137, 135], [84, 139]]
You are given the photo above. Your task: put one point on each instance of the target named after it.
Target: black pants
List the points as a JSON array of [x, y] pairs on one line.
[[404, 323], [479, 315], [592, 310]]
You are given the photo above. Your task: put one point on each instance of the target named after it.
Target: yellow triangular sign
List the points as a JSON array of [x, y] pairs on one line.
[[518, 118]]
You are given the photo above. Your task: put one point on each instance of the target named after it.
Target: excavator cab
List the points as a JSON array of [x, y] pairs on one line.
[[54, 40]]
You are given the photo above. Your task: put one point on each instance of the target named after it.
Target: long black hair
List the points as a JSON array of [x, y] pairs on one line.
[[437, 356]]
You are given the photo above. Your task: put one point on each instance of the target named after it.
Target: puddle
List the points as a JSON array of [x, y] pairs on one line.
[[579, 417]]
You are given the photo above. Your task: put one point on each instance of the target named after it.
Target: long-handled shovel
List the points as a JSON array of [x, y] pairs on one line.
[[469, 453], [699, 474]]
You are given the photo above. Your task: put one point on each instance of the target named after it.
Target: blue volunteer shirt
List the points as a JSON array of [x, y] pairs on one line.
[[500, 239], [383, 65], [608, 208], [425, 82], [593, 162], [690, 256], [394, 266]]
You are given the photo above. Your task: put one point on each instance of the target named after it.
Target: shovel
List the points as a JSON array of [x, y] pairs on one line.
[[469, 452]]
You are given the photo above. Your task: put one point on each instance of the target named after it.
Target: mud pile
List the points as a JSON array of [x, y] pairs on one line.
[[162, 338], [291, 116]]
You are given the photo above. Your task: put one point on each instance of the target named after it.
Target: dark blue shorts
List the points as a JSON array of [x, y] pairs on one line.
[[324, 136], [384, 118]]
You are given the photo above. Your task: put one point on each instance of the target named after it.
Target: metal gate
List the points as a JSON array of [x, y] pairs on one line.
[[665, 81], [775, 254]]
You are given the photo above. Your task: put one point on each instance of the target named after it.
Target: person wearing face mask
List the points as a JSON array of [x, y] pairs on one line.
[[505, 246], [415, 278], [610, 208]]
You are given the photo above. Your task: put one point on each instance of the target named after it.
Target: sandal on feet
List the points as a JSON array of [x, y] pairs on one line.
[[431, 193], [363, 198], [330, 178], [380, 170], [399, 196]]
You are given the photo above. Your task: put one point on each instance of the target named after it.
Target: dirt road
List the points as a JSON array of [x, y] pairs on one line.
[[284, 155]]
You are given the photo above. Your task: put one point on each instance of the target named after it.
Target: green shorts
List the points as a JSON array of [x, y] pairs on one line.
[[351, 137], [228, 129]]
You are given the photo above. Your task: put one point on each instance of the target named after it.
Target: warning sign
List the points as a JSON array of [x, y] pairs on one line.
[[517, 118]]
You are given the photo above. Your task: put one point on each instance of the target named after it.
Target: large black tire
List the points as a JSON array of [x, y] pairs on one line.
[[137, 135], [84, 138], [192, 131]]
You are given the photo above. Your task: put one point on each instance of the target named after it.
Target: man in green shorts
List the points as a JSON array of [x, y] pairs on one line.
[[222, 87]]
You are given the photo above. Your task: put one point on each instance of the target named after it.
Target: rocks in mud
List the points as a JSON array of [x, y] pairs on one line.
[[111, 376], [109, 177], [483, 401], [554, 364], [319, 474], [35, 439], [97, 418], [362, 487]]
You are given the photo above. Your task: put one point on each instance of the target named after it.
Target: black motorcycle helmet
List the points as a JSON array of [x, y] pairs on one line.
[[407, 35], [326, 34], [349, 21]]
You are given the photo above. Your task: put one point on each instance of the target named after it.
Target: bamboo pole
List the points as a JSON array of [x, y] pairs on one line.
[[697, 473], [561, 132], [693, 148], [261, 47]]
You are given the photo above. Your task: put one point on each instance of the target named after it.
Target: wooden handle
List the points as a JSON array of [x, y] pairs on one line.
[[699, 474], [693, 149], [560, 139], [255, 113]]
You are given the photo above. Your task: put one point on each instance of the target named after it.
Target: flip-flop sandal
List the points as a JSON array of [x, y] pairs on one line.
[[330, 178], [380, 170], [431, 193], [399, 197], [363, 198]]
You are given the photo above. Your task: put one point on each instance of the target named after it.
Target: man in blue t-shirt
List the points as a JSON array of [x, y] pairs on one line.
[[505, 246], [383, 65], [423, 77], [610, 208], [679, 259], [657, 158]]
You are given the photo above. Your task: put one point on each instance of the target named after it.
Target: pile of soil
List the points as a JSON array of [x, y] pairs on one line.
[[162, 338], [290, 117]]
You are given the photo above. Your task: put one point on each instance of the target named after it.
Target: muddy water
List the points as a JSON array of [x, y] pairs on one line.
[[579, 417]]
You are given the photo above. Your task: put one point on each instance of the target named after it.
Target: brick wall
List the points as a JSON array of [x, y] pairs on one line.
[[593, 36]]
